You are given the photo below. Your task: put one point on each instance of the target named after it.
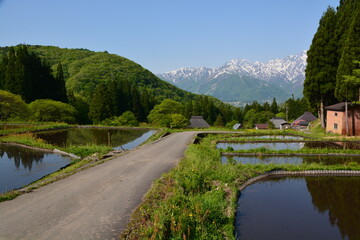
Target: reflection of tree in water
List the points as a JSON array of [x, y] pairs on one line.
[[341, 197], [329, 160], [99, 136], [21, 156]]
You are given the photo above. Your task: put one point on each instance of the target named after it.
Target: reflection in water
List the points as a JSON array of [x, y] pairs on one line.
[[99, 136], [300, 208], [296, 160], [288, 145], [338, 197], [20, 166]]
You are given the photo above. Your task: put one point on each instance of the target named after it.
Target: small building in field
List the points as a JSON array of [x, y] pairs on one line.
[[285, 125], [237, 126], [277, 121], [261, 126], [303, 121], [198, 122], [336, 119]]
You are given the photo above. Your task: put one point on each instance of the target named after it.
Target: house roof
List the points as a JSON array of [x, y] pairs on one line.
[[198, 122], [237, 126], [307, 116], [277, 121], [262, 126], [337, 107]]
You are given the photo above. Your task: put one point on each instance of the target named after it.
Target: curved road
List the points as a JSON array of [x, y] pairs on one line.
[[95, 203]]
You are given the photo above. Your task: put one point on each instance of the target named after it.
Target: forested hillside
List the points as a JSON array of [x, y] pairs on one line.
[[84, 70], [99, 88], [332, 73]]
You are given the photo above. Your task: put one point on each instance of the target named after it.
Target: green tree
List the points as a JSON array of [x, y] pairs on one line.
[[60, 84], [101, 104], [219, 122], [161, 114], [178, 121], [350, 53], [274, 107], [320, 73], [46, 110], [12, 107]]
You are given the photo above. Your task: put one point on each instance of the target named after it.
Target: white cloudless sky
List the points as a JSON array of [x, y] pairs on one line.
[[163, 35]]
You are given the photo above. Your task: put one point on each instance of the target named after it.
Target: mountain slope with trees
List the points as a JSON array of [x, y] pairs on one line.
[[101, 87]]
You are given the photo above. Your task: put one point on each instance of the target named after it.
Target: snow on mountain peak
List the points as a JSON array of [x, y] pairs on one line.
[[288, 69]]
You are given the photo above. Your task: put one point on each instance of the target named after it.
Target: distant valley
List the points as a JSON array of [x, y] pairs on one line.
[[242, 81]]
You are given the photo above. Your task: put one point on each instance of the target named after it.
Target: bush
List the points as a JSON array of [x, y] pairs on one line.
[[12, 107], [46, 110], [126, 119]]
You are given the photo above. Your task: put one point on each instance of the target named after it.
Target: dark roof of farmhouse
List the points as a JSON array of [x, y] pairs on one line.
[[307, 116], [198, 122], [337, 107]]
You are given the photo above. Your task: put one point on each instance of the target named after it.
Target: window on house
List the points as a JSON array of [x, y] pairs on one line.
[[335, 126], [335, 114]]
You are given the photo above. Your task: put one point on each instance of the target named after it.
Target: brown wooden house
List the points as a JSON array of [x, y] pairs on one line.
[[336, 119]]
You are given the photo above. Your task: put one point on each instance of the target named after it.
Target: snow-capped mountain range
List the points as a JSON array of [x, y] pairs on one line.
[[278, 78]]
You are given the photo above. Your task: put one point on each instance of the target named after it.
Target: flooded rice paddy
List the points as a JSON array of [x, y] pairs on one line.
[[300, 208], [287, 145], [21, 166], [116, 138], [295, 160]]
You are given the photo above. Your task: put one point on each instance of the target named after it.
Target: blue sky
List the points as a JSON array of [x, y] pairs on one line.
[[164, 35]]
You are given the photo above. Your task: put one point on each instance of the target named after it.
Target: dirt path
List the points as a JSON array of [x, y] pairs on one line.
[[95, 203]]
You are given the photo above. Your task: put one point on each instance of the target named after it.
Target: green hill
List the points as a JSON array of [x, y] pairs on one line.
[[85, 69]]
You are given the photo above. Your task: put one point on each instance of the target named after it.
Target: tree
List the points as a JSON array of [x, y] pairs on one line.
[[161, 114], [353, 81], [274, 107], [350, 53], [219, 121], [178, 121], [320, 73], [46, 110], [12, 107], [60, 84], [100, 107]]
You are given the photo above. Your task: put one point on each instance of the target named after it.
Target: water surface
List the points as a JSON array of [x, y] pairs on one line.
[[126, 138], [295, 160], [300, 208], [287, 145], [21, 166]]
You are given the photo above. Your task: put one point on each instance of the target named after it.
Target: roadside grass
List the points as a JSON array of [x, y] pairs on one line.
[[198, 198]]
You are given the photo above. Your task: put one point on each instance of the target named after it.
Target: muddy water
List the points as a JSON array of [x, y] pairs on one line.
[[300, 208], [20, 166], [296, 160]]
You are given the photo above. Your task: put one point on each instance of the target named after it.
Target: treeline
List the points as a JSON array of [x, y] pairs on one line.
[[332, 69], [290, 110], [126, 96], [24, 74]]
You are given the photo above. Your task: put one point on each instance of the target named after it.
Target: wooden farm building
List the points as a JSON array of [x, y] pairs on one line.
[[303, 121], [336, 119], [198, 122], [261, 126]]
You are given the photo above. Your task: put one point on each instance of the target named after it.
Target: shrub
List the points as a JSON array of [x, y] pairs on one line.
[[46, 110], [12, 107]]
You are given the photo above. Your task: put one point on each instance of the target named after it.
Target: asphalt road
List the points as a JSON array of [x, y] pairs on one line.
[[95, 203]]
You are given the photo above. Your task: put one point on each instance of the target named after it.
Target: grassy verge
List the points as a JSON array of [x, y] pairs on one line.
[[197, 199]]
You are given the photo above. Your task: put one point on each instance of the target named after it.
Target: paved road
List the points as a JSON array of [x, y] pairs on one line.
[[95, 203]]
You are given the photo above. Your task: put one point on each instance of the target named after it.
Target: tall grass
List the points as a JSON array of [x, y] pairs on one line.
[[197, 199]]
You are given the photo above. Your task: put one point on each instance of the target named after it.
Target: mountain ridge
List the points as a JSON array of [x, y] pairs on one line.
[[286, 75]]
